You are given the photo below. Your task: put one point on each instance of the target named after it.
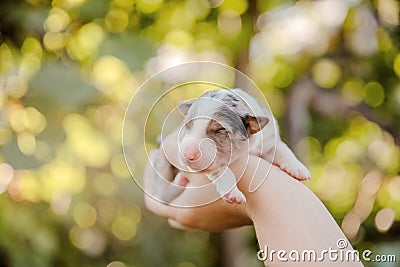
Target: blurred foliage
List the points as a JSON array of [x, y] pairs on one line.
[[69, 67]]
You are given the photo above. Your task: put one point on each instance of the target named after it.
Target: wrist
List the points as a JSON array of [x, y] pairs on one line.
[[259, 181]]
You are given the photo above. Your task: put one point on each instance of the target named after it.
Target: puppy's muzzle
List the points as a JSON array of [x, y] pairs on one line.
[[197, 153]]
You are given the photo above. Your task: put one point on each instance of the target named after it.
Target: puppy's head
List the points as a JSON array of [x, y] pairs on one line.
[[216, 129]]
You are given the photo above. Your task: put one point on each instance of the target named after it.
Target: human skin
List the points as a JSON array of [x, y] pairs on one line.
[[286, 215]]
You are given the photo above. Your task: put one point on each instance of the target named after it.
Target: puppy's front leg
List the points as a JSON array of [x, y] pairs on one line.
[[287, 161], [169, 183], [225, 183]]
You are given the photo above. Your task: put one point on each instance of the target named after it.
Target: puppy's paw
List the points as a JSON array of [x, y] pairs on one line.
[[181, 180], [296, 169], [287, 161], [235, 196]]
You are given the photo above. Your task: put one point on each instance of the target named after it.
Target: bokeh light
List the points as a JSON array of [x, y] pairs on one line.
[[326, 73], [384, 219], [85, 215], [68, 69], [6, 174]]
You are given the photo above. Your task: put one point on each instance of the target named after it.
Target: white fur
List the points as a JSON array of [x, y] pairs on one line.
[[266, 144]]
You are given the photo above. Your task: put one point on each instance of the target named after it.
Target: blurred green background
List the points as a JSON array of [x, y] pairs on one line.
[[68, 68]]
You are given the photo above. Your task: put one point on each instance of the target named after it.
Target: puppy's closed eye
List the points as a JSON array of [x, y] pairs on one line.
[[221, 131]]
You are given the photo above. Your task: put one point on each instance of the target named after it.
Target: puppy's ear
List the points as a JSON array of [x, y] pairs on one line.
[[254, 124], [184, 106]]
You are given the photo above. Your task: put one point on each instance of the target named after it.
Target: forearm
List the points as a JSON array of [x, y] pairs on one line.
[[288, 216]]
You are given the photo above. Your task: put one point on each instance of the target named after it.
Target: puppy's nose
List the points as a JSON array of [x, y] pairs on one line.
[[190, 148], [191, 155]]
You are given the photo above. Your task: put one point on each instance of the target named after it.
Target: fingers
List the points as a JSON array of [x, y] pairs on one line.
[[159, 208], [213, 217], [174, 224]]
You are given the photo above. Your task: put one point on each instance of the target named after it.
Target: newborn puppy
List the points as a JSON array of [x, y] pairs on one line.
[[219, 127]]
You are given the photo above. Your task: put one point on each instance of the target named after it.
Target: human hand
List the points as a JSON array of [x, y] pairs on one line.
[[212, 217]]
